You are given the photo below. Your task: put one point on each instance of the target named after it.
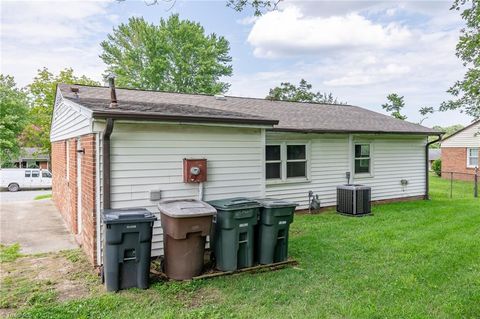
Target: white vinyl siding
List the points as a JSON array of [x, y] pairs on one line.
[[147, 157], [393, 159], [470, 137], [69, 120]]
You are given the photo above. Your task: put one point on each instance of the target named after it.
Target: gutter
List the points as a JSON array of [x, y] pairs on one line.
[[107, 132], [128, 115], [294, 130], [427, 187]]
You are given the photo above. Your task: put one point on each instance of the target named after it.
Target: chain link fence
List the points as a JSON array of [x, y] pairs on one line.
[[461, 185]]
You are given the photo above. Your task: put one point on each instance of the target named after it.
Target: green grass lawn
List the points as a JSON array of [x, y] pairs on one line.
[[44, 196], [410, 260]]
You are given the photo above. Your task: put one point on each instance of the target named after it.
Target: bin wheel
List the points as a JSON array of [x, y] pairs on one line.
[[102, 275]]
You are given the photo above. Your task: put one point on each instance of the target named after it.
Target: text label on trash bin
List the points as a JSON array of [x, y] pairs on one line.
[[243, 225], [131, 226], [282, 222]]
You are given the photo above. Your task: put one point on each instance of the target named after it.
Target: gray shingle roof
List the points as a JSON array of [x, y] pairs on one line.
[[291, 116], [434, 154]]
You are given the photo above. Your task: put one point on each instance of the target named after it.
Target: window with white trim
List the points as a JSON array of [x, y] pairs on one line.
[[286, 161], [363, 161], [472, 157], [273, 162]]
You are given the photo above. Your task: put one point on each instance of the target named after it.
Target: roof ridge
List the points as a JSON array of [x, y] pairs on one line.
[[212, 95]]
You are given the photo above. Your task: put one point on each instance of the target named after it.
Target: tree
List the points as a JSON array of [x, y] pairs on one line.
[[395, 105], [424, 111], [174, 56], [259, 6], [301, 93], [13, 117], [42, 92], [437, 167], [466, 92]]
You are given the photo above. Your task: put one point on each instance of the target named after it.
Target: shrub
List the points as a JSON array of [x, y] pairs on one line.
[[437, 167]]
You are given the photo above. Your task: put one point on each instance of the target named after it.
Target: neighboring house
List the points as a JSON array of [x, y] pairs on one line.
[[433, 155], [32, 157], [460, 152], [108, 155]]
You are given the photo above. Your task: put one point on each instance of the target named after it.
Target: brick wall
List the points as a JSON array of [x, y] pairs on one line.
[[454, 160], [64, 190]]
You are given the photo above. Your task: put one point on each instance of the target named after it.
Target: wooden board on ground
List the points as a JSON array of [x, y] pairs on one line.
[[274, 266]]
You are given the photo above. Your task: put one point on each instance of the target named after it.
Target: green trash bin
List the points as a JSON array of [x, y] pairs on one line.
[[234, 232], [272, 230]]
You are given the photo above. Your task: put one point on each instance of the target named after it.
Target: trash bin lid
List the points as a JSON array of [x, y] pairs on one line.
[[234, 203], [185, 208], [275, 203], [127, 215]]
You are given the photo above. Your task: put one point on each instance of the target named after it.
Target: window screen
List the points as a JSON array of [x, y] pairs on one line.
[[362, 158], [273, 160], [296, 161]]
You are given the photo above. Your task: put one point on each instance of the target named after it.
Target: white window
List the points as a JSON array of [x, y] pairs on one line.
[[472, 157], [273, 160], [286, 161], [363, 161]]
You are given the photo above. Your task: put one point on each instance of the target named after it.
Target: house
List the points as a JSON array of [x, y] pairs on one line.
[[119, 148], [460, 153], [433, 155], [32, 157]]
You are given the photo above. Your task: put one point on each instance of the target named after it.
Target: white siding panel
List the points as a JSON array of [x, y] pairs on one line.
[[150, 156], [329, 162], [467, 138], [394, 159], [69, 120]]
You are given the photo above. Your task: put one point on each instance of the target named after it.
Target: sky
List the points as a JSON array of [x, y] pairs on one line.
[[359, 50]]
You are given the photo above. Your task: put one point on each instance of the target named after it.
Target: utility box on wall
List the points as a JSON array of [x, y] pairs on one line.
[[194, 170]]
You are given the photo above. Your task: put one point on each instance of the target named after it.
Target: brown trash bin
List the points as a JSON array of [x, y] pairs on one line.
[[186, 223]]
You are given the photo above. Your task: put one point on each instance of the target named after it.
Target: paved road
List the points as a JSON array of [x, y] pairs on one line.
[[6, 196], [35, 225]]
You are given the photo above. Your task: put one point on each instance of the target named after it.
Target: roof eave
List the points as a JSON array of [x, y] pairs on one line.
[[277, 129], [175, 118]]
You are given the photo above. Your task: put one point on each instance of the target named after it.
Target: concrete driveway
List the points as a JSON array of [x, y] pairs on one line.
[[6, 196], [35, 225]]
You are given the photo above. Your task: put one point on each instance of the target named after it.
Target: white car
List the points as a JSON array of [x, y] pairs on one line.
[[15, 179]]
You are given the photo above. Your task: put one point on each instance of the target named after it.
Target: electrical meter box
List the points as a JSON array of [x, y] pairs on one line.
[[194, 170]]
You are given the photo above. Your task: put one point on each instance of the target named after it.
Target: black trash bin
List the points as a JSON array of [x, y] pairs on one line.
[[272, 230], [127, 243]]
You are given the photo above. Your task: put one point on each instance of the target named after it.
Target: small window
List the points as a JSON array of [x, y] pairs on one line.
[[46, 174], [273, 162], [28, 173], [286, 161], [35, 173], [472, 157], [296, 161], [362, 159]]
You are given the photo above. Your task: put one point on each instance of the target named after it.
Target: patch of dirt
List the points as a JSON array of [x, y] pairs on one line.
[[205, 295], [65, 275]]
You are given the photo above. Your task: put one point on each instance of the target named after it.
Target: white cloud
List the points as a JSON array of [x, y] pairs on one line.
[[55, 34], [289, 32], [361, 54]]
